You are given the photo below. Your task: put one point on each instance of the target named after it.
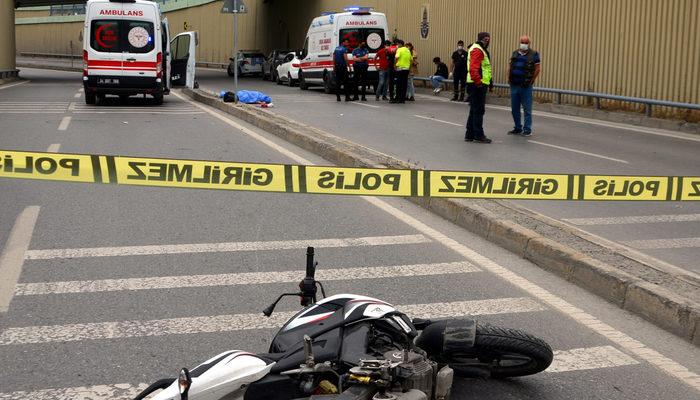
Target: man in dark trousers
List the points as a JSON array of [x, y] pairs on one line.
[[478, 83], [458, 70], [360, 65], [402, 65], [391, 59], [523, 69], [340, 69]]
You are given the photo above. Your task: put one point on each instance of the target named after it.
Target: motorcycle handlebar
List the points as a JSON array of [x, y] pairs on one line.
[[310, 267]]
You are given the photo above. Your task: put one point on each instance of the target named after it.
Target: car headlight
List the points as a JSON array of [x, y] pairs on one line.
[[183, 382]]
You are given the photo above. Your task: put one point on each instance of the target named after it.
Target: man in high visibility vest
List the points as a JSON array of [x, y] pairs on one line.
[[478, 82]]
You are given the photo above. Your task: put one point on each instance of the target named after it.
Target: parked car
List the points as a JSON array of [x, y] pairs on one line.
[[288, 71], [250, 62], [271, 62]]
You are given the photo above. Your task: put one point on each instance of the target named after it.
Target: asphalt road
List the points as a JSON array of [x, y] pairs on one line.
[[430, 134], [103, 318]]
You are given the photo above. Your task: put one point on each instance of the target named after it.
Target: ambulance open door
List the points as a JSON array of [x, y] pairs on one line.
[[183, 59]]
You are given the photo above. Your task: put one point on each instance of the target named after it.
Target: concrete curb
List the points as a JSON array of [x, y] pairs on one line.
[[631, 292]]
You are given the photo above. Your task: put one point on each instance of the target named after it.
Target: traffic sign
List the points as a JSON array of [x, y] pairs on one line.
[[234, 7]]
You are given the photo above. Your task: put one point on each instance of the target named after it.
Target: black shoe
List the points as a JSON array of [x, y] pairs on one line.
[[515, 132], [337, 99], [364, 99], [411, 99], [385, 98], [466, 139], [483, 140], [465, 100], [348, 99], [376, 98], [526, 134], [393, 101], [355, 98], [454, 99]]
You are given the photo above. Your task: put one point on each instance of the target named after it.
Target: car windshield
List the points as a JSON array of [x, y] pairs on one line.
[[253, 55], [282, 54]]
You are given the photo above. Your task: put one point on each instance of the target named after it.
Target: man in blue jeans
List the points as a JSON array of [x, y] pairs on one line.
[[523, 69]]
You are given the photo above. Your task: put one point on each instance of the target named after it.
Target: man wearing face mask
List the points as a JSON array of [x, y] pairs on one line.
[[458, 70], [478, 82], [523, 69]]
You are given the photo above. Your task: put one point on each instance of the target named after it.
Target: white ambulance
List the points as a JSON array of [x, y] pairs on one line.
[[127, 50], [357, 24]]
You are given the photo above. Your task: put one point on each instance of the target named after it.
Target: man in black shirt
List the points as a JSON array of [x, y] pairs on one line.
[[458, 69], [440, 75]]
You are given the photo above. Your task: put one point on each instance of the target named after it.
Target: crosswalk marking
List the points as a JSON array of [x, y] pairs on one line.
[[589, 358], [238, 322], [642, 219], [564, 361], [191, 281], [223, 247], [664, 243]]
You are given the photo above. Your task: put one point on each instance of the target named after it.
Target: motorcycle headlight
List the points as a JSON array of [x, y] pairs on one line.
[[183, 382]]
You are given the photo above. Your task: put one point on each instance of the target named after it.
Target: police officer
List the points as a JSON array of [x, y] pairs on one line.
[[340, 69], [360, 65]]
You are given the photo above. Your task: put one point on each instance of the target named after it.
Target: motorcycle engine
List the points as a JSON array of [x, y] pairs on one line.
[[415, 372]]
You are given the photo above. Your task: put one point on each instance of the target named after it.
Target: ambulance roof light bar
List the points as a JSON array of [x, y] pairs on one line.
[[358, 10]]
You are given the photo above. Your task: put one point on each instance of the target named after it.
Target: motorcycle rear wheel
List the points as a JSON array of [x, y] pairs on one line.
[[502, 353]]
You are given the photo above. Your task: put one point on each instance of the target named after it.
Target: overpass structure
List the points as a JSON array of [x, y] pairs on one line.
[[7, 30]]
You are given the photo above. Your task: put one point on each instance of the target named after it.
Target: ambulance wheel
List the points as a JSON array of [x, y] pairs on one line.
[[158, 98], [302, 82], [327, 84], [90, 98]]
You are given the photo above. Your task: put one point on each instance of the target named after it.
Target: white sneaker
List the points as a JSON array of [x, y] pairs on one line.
[[438, 90]]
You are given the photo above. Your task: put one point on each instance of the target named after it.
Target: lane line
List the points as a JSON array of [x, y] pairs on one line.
[[239, 322], [65, 121], [247, 278], [578, 151], [12, 257], [223, 247], [642, 219], [589, 358], [82, 89], [652, 244], [9, 85], [437, 120], [564, 361], [365, 105], [54, 148], [653, 357], [77, 95]]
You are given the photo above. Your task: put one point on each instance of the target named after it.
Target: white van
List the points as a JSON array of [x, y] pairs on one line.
[[127, 51], [326, 33]]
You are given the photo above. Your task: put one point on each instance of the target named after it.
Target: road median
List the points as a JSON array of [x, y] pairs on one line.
[[649, 288]]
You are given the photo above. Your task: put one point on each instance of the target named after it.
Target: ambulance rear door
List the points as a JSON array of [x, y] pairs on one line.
[[183, 59], [103, 52], [141, 49], [165, 38]]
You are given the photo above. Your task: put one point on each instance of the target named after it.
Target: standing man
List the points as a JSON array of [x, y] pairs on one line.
[[523, 69], [340, 69], [383, 70], [403, 65], [478, 82], [440, 75], [458, 70], [391, 57], [360, 65]]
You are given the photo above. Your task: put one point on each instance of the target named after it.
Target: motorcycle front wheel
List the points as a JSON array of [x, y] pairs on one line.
[[501, 353]]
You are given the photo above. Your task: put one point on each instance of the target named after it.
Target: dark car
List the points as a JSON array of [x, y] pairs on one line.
[[270, 64]]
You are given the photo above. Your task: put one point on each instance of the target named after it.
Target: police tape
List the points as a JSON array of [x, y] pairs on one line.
[[284, 178]]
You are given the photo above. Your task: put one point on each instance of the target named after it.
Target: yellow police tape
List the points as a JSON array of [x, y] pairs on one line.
[[340, 180]]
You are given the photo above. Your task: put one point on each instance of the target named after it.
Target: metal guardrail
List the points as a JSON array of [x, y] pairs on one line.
[[648, 103]]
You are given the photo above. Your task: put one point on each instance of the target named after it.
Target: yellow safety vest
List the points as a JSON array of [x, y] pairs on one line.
[[403, 58], [485, 65]]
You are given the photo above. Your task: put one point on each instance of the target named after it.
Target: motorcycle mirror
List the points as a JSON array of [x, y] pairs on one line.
[[184, 381]]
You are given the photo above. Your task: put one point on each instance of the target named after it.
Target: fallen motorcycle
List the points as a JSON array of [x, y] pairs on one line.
[[358, 348]]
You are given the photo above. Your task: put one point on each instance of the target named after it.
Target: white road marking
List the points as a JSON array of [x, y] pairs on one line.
[[64, 123], [248, 278], [82, 89], [437, 120], [9, 85], [223, 247], [642, 219], [589, 358], [12, 257], [365, 105], [578, 151], [239, 322], [564, 361], [54, 148], [652, 244], [77, 95], [626, 342]]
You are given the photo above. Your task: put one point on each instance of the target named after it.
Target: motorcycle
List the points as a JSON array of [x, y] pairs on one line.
[[351, 347]]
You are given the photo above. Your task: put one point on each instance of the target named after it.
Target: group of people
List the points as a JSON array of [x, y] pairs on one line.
[[472, 72], [470, 69], [397, 63]]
